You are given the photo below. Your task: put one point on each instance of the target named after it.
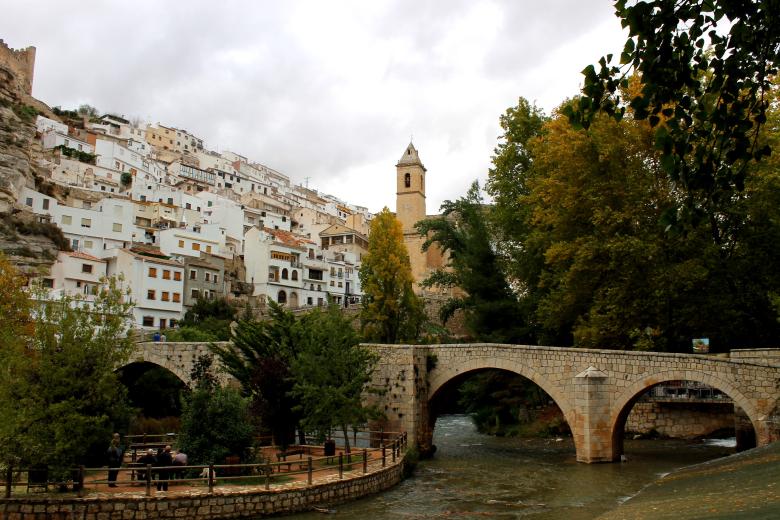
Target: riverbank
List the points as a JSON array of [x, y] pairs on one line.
[[744, 485]]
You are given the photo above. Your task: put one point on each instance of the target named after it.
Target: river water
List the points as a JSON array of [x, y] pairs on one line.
[[478, 476]]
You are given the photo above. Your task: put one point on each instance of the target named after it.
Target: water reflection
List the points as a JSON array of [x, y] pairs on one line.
[[476, 476]]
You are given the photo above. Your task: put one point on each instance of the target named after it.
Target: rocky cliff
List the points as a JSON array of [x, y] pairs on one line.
[[30, 244]]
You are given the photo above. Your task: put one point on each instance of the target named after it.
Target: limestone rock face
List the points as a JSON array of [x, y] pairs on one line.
[[16, 137]]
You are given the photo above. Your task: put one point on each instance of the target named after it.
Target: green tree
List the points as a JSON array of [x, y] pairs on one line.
[[260, 358], [207, 320], [391, 311], [215, 423], [16, 335], [596, 266], [88, 110], [68, 396], [706, 69], [510, 218], [331, 373], [492, 311]]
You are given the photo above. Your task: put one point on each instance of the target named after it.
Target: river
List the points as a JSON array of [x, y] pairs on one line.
[[478, 476]]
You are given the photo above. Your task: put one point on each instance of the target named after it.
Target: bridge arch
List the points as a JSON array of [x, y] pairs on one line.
[[625, 401], [438, 378]]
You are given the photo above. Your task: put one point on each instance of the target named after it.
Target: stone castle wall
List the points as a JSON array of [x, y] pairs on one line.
[[17, 70], [680, 420], [246, 503]]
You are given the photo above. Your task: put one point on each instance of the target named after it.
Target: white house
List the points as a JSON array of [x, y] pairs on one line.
[[91, 230], [44, 124], [273, 264], [53, 139], [192, 240], [156, 283], [76, 273]]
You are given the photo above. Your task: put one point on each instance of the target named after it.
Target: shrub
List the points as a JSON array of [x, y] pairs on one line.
[[215, 424]]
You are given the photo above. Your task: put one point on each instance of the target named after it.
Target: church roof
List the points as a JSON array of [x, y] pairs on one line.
[[410, 157]]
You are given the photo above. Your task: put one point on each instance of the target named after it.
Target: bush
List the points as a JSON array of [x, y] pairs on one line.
[[188, 333], [215, 424]]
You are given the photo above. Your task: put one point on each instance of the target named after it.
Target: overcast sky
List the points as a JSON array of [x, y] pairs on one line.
[[328, 90]]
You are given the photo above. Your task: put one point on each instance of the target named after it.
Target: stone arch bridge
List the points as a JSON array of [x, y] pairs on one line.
[[595, 389]]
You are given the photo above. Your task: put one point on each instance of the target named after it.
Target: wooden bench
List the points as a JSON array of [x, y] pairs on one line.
[[302, 464]]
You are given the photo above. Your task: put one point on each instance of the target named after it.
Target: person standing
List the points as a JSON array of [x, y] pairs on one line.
[[179, 460], [114, 460], [147, 460], [164, 459]]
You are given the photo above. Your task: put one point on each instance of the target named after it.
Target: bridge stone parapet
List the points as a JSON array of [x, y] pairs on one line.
[[595, 389], [177, 357]]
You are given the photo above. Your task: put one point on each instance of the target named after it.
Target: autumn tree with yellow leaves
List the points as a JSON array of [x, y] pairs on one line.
[[391, 311]]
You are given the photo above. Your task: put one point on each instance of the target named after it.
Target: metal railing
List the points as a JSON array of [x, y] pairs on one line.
[[302, 463]]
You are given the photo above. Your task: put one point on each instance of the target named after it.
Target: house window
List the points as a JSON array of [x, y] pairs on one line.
[[86, 268], [86, 222], [195, 294], [166, 274], [309, 301], [117, 227], [216, 278], [176, 297], [150, 294], [74, 244], [339, 284], [188, 206], [285, 274], [67, 220], [193, 274], [148, 321], [88, 244], [162, 323], [177, 276], [407, 180], [152, 272], [208, 249], [282, 297], [208, 277], [45, 203], [181, 243], [165, 296], [295, 275], [29, 201], [195, 246]]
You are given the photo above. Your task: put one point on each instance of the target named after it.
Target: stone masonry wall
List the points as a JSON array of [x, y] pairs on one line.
[[20, 64], [680, 420], [248, 503]]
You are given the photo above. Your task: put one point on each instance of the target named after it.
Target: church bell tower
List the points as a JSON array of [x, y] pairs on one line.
[[410, 192], [410, 209]]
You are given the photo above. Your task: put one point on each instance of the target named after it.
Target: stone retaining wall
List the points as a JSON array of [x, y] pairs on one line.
[[201, 505], [680, 420]]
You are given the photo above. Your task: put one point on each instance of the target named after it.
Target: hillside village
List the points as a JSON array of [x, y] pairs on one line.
[[179, 221]]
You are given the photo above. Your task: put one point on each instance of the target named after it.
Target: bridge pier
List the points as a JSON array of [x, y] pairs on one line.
[[591, 428]]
